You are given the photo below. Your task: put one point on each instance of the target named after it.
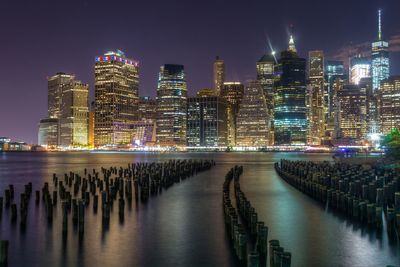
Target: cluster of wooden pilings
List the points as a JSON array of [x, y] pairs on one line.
[[75, 193], [365, 194], [245, 230]]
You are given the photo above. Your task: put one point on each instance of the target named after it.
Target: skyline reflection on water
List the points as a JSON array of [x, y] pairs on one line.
[[184, 225]]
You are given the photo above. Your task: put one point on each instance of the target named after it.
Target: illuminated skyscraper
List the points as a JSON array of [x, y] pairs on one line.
[[68, 108], [333, 70], [232, 92], [171, 106], [206, 92], [317, 97], [252, 122], [389, 104], [352, 112], [48, 132], [219, 75], [56, 86], [206, 121], [380, 58], [74, 115], [147, 109], [91, 129], [290, 113], [116, 98], [265, 75], [360, 67]]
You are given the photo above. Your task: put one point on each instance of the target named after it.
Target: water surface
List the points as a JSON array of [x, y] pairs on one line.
[[184, 225]]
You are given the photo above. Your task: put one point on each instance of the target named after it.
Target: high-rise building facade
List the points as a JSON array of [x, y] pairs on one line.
[[290, 112], [252, 122], [352, 112], [171, 106], [56, 84], [48, 132], [380, 58], [317, 98], [265, 75], [74, 116], [388, 98], [360, 67], [333, 69], [206, 121], [232, 93], [68, 108], [116, 98], [147, 109], [219, 75]]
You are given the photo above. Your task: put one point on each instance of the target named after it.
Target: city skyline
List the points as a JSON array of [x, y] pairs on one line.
[[22, 124]]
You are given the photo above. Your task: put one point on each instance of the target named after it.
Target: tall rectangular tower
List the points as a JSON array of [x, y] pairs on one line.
[[116, 98], [74, 115], [380, 58], [171, 106], [317, 96], [219, 75]]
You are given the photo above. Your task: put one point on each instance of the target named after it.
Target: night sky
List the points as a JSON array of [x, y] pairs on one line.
[[40, 38]]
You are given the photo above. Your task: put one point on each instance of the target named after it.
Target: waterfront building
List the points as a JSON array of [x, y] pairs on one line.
[[219, 75], [352, 112], [206, 92], [380, 58], [316, 98], [265, 75], [55, 85], [143, 132], [360, 67], [74, 116], [252, 122], [116, 98], [232, 93], [48, 134], [68, 108], [371, 105], [171, 106], [333, 69], [147, 109], [91, 128], [206, 121], [290, 113], [388, 99]]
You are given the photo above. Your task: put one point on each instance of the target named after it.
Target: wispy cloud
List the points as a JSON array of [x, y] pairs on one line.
[[364, 49]]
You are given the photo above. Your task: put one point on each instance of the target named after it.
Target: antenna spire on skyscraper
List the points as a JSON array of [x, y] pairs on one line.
[[292, 46], [379, 25]]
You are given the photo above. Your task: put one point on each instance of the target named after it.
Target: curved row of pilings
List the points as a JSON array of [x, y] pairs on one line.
[[245, 230], [361, 193], [78, 194]]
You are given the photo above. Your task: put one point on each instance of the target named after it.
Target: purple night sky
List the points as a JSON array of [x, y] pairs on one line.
[[40, 38]]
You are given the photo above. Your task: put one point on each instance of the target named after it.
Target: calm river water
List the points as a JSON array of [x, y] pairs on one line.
[[184, 225]]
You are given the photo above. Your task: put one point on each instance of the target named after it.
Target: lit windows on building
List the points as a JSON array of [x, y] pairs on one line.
[[74, 115], [252, 122], [380, 58], [265, 75], [116, 98], [352, 112], [333, 69], [232, 93], [206, 121], [317, 98], [360, 67], [48, 132], [388, 99], [219, 75], [290, 112], [171, 106]]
